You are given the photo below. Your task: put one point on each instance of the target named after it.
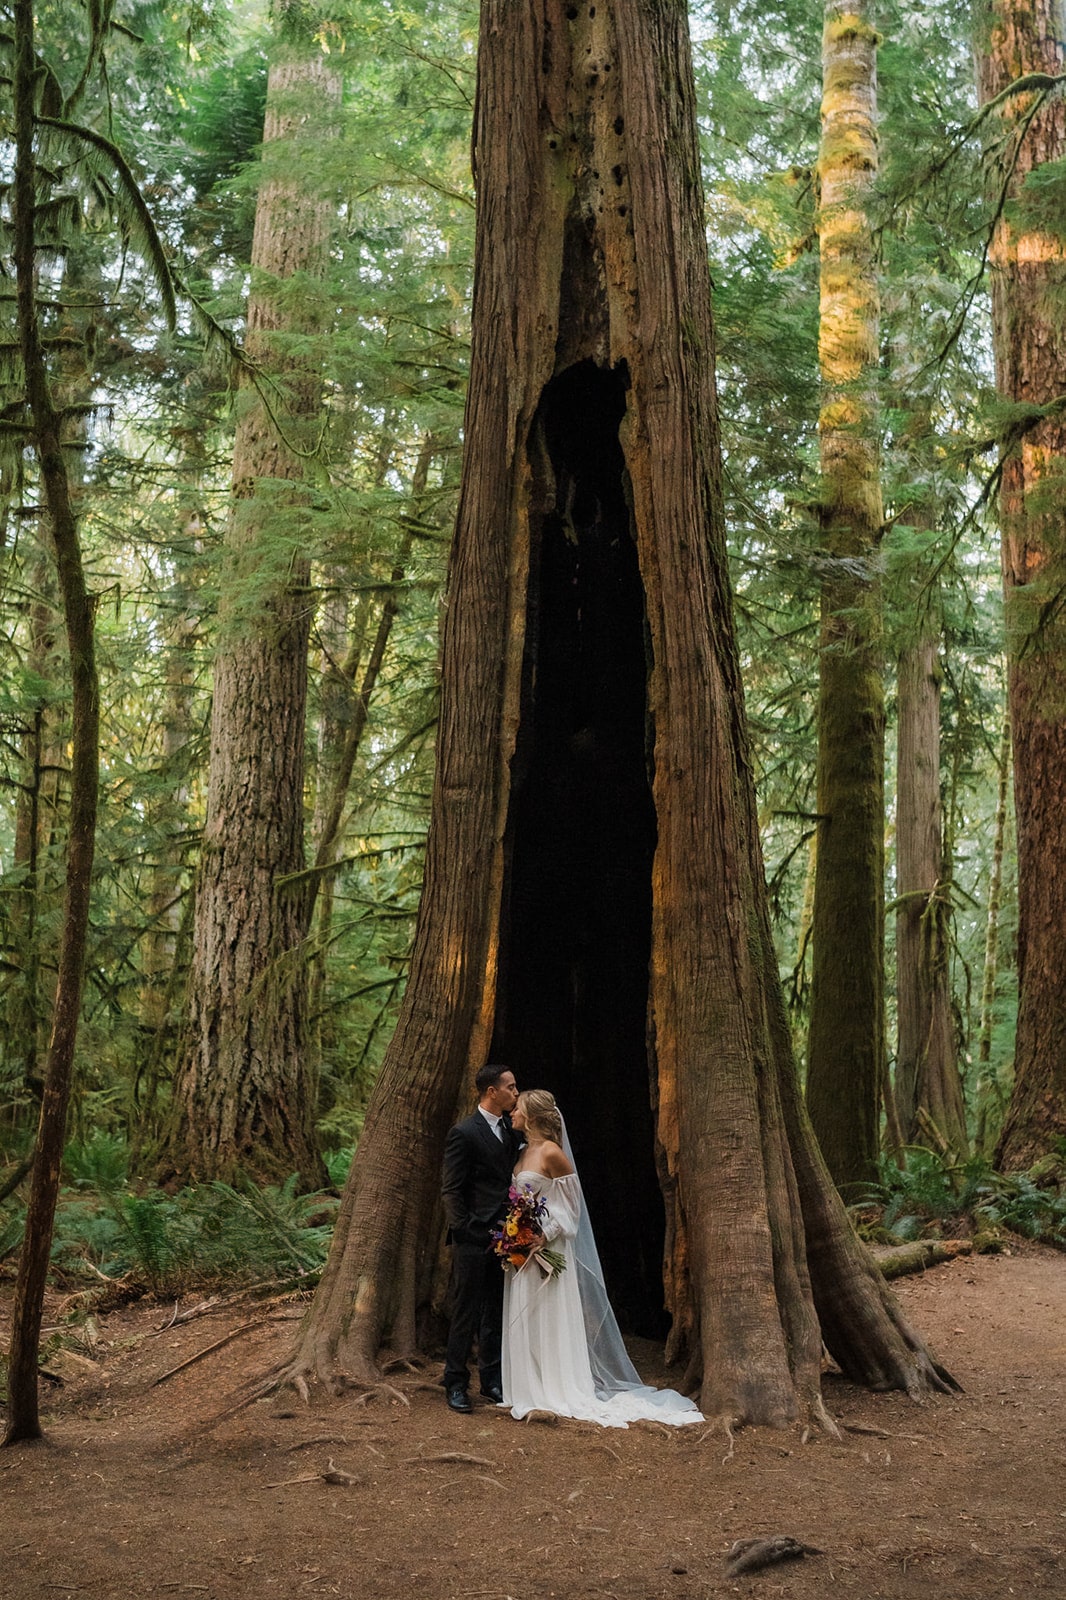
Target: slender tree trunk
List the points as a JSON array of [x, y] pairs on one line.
[[337, 773], [927, 1075], [986, 1082], [244, 1092], [1029, 341], [846, 1052], [166, 938], [46, 421], [37, 809], [588, 656], [40, 811]]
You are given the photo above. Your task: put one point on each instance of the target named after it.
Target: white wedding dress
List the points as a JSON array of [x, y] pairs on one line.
[[562, 1351]]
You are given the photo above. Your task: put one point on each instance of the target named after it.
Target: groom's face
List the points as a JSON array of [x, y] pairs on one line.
[[505, 1094]]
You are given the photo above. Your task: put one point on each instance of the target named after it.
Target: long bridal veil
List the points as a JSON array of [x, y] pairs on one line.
[[612, 1370]]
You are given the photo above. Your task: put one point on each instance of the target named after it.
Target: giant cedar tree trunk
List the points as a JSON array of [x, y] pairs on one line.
[[846, 1061], [590, 684], [243, 1095], [927, 1075], [1029, 340]]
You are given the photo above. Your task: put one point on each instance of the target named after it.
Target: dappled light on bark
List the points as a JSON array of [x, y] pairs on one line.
[[845, 1057]]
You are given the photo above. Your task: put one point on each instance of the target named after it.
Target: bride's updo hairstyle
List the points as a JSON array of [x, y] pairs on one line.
[[542, 1114]]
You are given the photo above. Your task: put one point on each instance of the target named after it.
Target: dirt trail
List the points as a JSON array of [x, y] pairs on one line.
[[134, 1496]]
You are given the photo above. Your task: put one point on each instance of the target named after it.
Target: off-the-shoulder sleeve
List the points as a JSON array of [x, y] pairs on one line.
[[564, 1208]]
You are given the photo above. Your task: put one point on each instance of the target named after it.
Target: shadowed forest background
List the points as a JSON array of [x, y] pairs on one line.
[[251, 253]]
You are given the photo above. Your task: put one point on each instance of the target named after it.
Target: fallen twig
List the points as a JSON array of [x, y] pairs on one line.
[[235, 1333], [451, 1457], [321, 1438]]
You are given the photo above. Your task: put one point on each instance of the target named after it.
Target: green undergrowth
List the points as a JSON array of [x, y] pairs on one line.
[[936, 1196], [109, 1232]]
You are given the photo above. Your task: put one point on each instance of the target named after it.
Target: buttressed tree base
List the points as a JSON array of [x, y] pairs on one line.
[[594, 908]]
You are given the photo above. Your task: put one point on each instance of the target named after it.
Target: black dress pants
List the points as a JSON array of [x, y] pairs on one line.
[[477, 1313]]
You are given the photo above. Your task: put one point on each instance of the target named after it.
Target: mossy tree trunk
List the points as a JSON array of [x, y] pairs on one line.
[[928, 1085], [46, 431], [244, 1093], [588, 646], [846, 1052], [38, 805], [1028, 266]]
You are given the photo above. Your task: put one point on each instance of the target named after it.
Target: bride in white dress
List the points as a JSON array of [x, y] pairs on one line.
[[562, 1351]]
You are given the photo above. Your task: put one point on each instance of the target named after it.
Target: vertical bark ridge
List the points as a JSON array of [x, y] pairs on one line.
[[1028, 270]]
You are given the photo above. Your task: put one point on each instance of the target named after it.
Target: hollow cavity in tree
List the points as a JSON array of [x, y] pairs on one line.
[[572, 991]]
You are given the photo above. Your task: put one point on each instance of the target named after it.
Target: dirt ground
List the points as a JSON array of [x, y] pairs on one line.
[[140, 1490]]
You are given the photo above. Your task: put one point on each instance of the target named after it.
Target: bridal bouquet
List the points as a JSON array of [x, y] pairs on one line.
[[515, 1240]]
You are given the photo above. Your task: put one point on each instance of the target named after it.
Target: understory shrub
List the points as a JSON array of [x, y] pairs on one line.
[[207, 1234], [918, 1199]]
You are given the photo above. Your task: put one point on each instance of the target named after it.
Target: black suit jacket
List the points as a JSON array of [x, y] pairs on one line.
[[476, 1179]]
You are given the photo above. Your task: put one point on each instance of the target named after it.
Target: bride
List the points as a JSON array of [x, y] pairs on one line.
[[562, 1351]]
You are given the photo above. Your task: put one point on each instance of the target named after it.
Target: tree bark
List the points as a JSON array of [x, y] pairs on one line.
[[927, 1075], [23, 1420], [1028, 269], [987, 1082], [590, 509], [846, 1049], [244, 1093]]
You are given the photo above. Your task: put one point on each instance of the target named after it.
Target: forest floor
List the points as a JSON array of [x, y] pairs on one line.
[[140, 1490]]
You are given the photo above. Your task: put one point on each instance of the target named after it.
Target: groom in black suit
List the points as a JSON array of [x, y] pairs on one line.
[[479, 1157]]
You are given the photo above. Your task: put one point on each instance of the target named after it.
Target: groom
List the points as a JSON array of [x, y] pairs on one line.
[[479, 1156]]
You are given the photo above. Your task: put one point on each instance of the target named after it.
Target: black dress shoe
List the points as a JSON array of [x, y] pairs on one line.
[[458, 1399], [494, 1393]]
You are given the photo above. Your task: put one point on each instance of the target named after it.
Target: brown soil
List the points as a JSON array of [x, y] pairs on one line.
[[138, 1490]]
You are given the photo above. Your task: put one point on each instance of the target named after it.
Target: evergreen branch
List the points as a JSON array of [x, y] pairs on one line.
[[970, 292], [1043, 83], [128, 33], [147, 232], [99, 22]]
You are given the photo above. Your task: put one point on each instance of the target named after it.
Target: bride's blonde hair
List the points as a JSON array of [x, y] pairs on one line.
[[541, 1113]]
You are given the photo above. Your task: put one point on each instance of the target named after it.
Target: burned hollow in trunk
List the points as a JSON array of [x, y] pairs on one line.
[[575, 935]]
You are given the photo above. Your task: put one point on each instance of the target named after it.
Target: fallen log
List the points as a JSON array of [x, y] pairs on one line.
[[896, 1260]]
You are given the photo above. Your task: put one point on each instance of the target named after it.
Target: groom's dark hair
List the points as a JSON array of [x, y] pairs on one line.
[[489, 1077]]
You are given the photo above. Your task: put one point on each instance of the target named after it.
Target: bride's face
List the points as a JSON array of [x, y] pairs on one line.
[[518, 1118]]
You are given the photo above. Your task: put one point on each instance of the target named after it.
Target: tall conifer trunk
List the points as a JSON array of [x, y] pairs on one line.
[[928, 1087], [846, 1062], [592, 751], [243, 1095], [1018, 37], [987, 1081]]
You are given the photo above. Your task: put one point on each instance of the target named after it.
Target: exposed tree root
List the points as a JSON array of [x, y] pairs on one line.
[[751, 1555]]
